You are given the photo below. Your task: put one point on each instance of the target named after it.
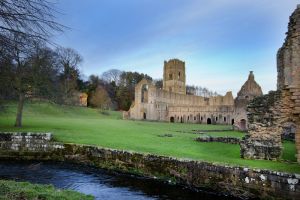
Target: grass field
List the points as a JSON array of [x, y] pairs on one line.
[[24, 190], [107, 129]]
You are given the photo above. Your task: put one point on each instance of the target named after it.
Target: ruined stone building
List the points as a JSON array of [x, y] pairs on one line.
[[277, 113], [172, 104]]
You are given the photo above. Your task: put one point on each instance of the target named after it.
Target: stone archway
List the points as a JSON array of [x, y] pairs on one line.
[[243, 125], [232, 122], [144, 94], [144, 115], [181, 120], [208, 121], [172, 119]]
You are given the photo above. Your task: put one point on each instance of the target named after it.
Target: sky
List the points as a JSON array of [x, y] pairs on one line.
[[219, 40]]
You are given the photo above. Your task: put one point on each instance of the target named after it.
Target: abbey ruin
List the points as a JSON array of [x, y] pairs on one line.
[[171, 103], [278, 112]]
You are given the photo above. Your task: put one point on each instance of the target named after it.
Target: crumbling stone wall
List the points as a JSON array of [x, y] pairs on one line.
[[29, 145], [283, 112], [288, 67], [263, 140]]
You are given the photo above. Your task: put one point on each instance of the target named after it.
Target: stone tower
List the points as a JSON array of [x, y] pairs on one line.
[[250, 89], [174, 76]]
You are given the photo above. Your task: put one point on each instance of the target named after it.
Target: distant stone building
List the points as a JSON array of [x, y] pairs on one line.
[[278, 112], [249, 91], [172, 104], [83, 99]]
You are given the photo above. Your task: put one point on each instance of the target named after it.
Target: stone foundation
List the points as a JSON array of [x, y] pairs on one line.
[[260, 149], [229, 140]]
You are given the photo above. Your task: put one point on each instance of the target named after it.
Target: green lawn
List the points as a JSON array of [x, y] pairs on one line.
[[24, 190], [107, 129]]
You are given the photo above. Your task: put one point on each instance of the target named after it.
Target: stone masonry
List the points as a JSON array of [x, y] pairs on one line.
[[271, 115], [172, 104]]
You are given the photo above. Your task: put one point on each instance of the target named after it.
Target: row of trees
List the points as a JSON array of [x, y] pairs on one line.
[[28, 66], [115, 89], [200, 91]]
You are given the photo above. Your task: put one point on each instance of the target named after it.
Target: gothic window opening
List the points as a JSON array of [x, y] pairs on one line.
[[144, 94], [208, 121]]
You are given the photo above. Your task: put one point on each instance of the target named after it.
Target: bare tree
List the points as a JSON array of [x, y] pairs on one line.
[[158, 83], [100, 98], [32, 71], [113, 75], [24, 24], [32, 19], [69, 59]]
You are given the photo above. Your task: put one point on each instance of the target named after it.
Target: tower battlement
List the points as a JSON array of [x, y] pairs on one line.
[[174, 76]]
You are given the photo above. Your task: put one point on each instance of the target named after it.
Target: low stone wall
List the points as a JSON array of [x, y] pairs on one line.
[[29, 145], [236, 181], [230, 140]]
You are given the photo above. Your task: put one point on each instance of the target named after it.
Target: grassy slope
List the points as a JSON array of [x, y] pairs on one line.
[[24, 190], [89, 126]]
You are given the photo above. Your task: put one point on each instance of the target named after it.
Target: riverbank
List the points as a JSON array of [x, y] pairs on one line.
[[28, 191], [100, 183], [237, 181]]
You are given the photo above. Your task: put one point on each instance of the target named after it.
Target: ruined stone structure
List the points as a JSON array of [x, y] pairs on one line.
[[172, 104], [83, 99], [278, 112], [249, 91], [174, 76]]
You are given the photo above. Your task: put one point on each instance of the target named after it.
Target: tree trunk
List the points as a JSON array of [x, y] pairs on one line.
[[20, 110]]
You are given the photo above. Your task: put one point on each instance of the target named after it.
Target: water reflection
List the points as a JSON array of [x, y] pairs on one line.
[[100, 183]]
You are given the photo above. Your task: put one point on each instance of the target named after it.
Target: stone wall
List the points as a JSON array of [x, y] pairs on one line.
[[229, 140], [263, 140], [236, 181], [288, 68], [274, 114], [30, 145]]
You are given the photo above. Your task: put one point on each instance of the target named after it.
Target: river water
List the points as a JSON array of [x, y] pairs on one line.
[[101, 184]]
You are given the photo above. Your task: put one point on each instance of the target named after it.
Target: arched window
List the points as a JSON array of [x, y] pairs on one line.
[[144, 94], [243, 124], [172, 119]]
